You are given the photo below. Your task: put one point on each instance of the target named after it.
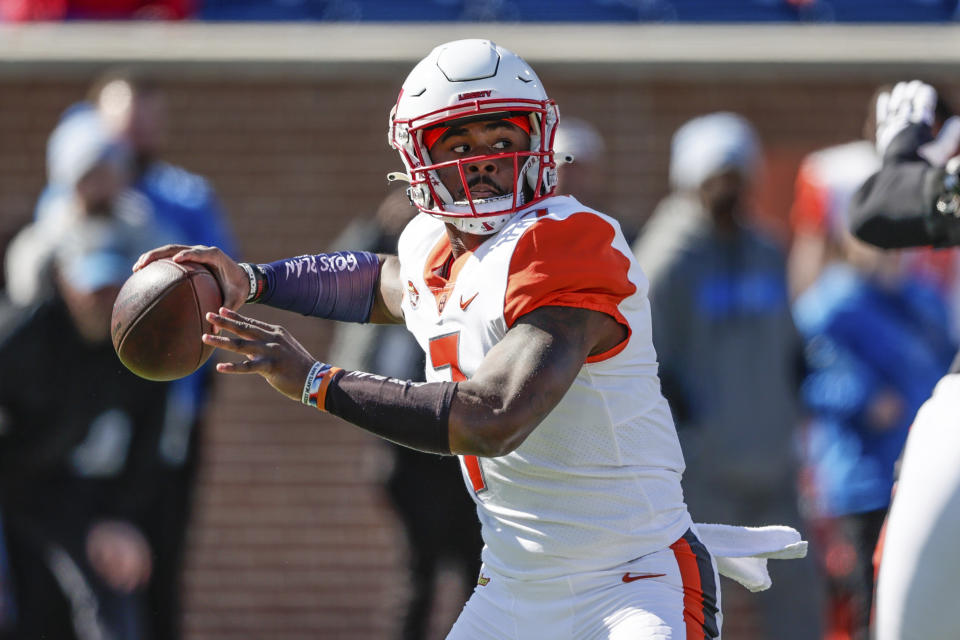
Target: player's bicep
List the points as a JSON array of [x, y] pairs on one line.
[[525, 376], [389, 293]]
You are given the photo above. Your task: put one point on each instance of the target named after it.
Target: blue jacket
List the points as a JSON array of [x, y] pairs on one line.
[[865, 345], [185, 204]]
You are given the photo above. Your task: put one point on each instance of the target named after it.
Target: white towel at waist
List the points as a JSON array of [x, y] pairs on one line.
[[741, 553]]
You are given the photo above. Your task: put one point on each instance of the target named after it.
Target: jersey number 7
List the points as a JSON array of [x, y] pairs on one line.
[[444, 353]]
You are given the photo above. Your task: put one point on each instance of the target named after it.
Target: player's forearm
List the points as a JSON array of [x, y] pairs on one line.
[[412, 414], [339, 286], [428, 416]]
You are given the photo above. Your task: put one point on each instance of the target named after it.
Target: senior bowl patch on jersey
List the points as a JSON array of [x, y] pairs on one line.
[[412, 294]]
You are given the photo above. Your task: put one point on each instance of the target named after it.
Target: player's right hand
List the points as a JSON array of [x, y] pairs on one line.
[[268, 349], [233, 280]]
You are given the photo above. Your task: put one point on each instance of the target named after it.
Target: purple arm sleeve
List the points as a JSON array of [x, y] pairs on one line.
[[339, 286]]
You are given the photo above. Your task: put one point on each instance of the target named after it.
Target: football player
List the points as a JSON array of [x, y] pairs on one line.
[[541, 372]]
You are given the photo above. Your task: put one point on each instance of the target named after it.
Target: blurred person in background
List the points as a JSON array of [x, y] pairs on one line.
[[79, 474], [878, 339], [134, 107], [730, 357], [185, 209], [587, 177], [914, 200], [858, 402], [826, 181], [91, 170], [92, 158], [940, 268], [441, 528]]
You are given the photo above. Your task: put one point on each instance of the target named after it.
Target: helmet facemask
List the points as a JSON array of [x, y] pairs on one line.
[[534, 168]]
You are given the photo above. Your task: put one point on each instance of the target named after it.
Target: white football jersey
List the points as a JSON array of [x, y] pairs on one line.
[[597, 483], [916, 588]]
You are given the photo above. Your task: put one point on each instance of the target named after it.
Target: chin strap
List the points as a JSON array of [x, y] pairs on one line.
[[485, 226]]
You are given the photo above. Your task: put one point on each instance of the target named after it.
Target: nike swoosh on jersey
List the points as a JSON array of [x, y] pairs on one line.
[[640, 576], [465, 304]]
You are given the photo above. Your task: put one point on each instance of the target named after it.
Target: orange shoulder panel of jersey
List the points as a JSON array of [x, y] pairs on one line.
[[809, 210], [569, 263]]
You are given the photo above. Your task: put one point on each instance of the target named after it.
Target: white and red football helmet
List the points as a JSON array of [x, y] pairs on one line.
[[467, 79]]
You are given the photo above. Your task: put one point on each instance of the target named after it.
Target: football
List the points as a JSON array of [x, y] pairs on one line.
[[160, 315]]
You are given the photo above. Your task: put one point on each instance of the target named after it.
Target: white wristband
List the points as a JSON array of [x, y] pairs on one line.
[[314, 370], [253, 280]]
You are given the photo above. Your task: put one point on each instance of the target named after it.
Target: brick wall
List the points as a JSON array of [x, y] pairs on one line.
[[291, 538]]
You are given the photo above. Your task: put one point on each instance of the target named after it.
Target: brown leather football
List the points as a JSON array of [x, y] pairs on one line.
[[159, 316]]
